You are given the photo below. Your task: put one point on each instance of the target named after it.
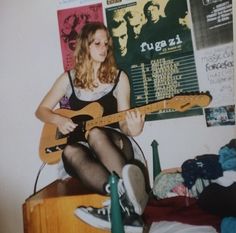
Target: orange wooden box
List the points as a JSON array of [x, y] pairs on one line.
[[51, 210]]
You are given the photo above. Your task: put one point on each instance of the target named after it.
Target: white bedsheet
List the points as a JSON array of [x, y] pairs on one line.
[[177, 227]]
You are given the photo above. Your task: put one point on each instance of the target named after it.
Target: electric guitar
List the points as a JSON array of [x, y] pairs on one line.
[[52, 142]]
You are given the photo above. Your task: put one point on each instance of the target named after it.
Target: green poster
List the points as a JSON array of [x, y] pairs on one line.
[[153, 44]]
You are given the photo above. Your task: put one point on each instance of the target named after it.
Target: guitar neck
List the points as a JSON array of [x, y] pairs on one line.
[[116, 117]]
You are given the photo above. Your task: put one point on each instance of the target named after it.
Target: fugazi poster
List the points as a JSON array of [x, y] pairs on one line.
[[153, 44]]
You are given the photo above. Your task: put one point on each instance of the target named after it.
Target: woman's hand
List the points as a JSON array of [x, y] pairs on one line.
[[135, 122], [65, 125]]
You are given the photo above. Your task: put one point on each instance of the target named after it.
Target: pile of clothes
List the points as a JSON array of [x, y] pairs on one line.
[[209, 181]]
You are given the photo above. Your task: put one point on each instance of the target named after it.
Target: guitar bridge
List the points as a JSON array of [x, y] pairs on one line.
[[56, 148]]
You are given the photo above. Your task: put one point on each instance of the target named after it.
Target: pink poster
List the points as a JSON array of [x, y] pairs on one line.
[[70, 22]]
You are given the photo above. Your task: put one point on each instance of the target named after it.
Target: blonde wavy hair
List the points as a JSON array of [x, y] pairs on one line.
[[83, 67]]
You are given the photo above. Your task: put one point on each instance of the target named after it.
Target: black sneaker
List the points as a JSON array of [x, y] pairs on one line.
[[135, 188], [101, 218], [132, 189], [132, 199]]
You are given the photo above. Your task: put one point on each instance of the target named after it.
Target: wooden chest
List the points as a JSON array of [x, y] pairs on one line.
[[51, 210]]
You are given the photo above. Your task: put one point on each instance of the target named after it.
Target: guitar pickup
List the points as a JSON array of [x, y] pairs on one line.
[[56, 148]]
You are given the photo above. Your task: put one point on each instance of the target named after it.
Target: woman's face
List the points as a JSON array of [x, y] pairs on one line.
[[99, 47]]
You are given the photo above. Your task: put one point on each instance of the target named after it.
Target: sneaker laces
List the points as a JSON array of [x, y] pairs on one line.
[[120, 188], [105, 210], [124, 201], [125, 208]]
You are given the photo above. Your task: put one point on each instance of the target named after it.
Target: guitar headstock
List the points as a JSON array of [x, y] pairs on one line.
[[183, 102]]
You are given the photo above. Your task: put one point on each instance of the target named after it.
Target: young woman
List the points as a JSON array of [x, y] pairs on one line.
[[95, 78]]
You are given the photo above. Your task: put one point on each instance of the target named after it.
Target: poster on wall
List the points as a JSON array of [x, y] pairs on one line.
[[213, 33], [212, 22], [70, 22], [153, 44]]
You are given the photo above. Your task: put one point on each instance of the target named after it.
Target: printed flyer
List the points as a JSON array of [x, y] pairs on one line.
[[70, 22]]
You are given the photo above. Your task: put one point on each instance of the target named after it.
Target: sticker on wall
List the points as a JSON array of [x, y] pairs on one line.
[[220, 116]]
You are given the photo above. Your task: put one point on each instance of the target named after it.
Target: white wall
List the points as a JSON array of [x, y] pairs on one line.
[[30, 60]]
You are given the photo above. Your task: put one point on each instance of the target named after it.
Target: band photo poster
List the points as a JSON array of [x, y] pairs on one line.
[[162, 46]]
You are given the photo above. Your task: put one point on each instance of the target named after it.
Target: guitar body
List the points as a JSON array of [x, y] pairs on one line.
[[52, 142]]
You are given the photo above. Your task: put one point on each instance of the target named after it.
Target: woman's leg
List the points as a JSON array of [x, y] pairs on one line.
[[114, 150], [111, 147], [79, 162], [109, 151]]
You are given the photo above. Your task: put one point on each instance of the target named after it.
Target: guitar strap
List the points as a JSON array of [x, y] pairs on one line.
[[118, 76], [71, 82], [117, 80]]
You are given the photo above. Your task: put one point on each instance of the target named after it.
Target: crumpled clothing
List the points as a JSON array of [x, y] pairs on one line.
[[180, 190], [228, 225], [204, 166], [227, 156], [198, 187], [164, 182], [218, 200], [228, 178]]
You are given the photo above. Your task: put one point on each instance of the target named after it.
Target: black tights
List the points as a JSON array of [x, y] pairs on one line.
[[109, 150]]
